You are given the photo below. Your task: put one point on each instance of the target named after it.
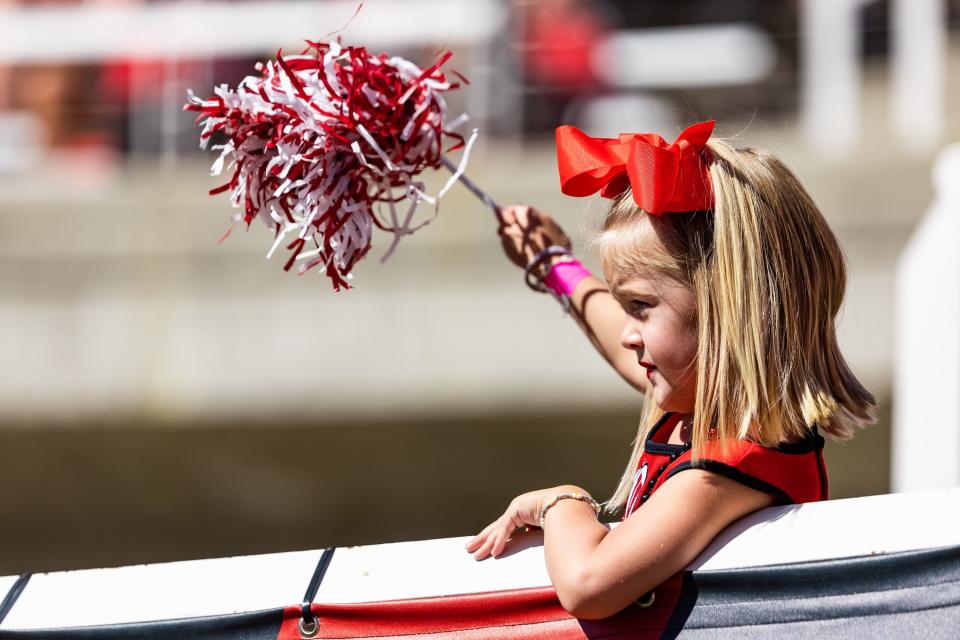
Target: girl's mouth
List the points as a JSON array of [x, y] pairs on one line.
[[649, 367]]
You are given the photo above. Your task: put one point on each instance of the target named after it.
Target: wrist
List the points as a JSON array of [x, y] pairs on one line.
[[548, 265], [553, 492], [563, 493], [564, 276], [541, 265]]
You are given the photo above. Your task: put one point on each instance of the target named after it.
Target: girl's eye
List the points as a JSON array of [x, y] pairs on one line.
[[638, 306]]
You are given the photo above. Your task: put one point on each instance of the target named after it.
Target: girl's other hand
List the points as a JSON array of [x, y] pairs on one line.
[[523, 511], [525, 232]]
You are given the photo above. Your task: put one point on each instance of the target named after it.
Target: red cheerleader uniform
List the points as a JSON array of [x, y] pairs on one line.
[[791, 473]]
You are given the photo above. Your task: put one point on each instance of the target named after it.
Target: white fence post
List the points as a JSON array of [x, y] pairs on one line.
[[926, 394], [918, 73], [830, 74]]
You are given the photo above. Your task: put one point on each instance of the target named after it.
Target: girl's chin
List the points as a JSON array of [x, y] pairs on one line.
[[668, 404]]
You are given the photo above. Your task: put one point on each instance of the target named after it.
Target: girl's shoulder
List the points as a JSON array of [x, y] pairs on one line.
[[791, 473]]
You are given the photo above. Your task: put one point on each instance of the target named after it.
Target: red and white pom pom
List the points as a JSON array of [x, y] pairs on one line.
[[327, 144]]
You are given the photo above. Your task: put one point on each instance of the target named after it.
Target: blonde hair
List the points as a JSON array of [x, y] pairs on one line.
[[769, 277]]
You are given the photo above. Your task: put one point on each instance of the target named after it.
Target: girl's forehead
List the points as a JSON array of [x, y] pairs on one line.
[[642, 283], [643, 230], [633, 252]]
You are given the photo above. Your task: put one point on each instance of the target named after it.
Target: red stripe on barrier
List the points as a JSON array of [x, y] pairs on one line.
[[521, 613]]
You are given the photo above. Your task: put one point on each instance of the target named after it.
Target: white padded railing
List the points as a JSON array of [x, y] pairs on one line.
[[778, 535]]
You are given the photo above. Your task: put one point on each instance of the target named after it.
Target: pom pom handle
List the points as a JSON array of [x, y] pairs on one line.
[[470, 184]]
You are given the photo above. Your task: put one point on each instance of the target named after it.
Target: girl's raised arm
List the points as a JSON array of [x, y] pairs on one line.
[[525, 232]]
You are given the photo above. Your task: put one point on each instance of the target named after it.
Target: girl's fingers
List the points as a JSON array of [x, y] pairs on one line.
[[504, 536], [512, 232], [507, 215], [501, 541], [514, 214], [494, 537], [477, 542], [474, 543], [480, 537], [484, 549], [476, 548], [480, 545], [496, 540]]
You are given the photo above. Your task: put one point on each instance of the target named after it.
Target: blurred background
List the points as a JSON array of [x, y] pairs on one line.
[[163, 396]]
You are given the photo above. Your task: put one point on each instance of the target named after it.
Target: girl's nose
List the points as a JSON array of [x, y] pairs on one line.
[[630, 338]]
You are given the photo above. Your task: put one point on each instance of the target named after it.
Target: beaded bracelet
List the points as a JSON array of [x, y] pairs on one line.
[[576, 495], [536, 282], [529, 275]]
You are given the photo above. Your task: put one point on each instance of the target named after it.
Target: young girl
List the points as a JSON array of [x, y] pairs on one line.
[[723, 282]]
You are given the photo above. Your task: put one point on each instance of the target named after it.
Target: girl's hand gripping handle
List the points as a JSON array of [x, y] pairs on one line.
[[525, 232]]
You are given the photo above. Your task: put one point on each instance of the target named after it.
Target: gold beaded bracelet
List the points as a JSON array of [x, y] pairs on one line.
[[576, 495]]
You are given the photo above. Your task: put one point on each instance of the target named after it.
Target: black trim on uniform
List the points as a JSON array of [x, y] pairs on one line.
[[662, 448], [779, 495], [662, 421], [13, 595], [684, 607], [822, 472], [811, 442]]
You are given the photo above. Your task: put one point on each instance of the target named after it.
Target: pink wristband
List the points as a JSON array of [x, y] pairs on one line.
[[565, 276]]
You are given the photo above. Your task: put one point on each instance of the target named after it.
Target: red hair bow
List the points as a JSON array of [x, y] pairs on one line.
[[664, 177]]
